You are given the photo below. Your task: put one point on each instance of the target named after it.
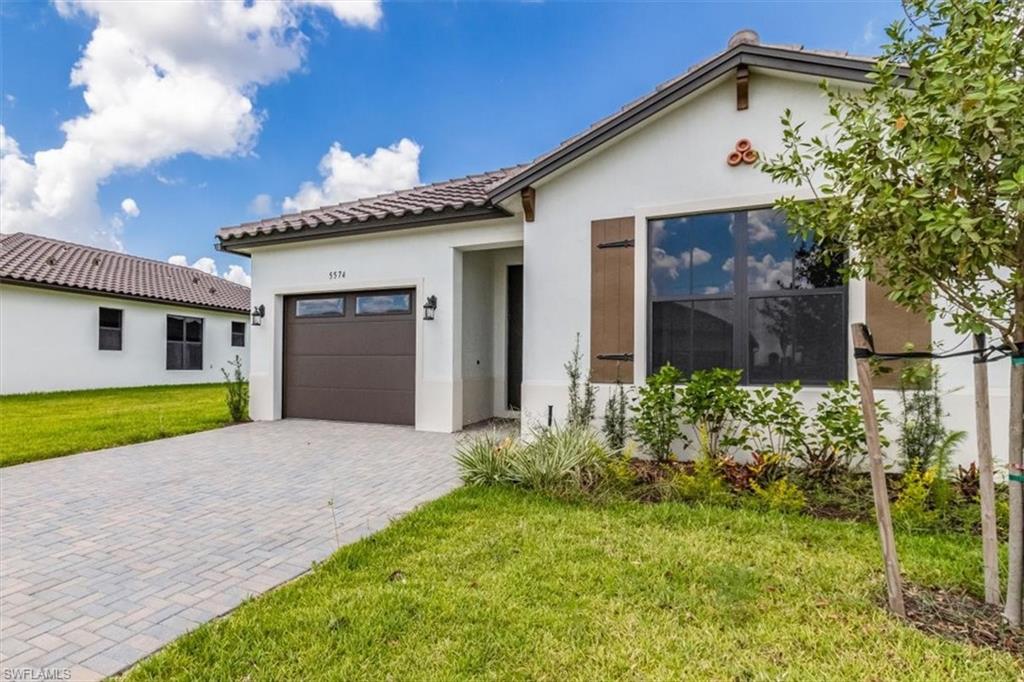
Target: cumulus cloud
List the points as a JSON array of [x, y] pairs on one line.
[[261, 205], [234, 273], [661, 260], [767, 273], [130, 208], [347, 177], [159, 80]]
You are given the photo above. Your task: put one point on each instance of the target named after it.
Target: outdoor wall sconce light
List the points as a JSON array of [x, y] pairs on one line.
[[258, 311], [430, 307]]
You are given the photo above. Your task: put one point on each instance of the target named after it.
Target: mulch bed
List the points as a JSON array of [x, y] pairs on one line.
[[961, 617]]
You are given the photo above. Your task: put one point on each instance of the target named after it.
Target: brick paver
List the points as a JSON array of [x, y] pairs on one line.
[[107, 556]]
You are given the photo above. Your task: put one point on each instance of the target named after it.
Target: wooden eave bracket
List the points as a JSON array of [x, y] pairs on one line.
[[742, 87], [529, 198]]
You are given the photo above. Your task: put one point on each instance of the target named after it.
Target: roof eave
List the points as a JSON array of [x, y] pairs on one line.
[[449, 216], [825, 66]]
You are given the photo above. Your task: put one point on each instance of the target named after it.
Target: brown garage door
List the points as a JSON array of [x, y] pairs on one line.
[[351, 356]]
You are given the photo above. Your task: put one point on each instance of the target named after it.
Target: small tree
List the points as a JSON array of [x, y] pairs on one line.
[[238, 391], [616, 423], [582, 393], [921, 186]]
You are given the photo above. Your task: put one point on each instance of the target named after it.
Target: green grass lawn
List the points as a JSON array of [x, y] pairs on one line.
[[43, 425], [501, 584]]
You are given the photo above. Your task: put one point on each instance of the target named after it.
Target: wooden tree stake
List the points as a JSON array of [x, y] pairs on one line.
[[862, 341], [989, 536]]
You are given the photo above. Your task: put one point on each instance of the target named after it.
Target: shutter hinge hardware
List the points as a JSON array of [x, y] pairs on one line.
[[621, 357], [620, 244]]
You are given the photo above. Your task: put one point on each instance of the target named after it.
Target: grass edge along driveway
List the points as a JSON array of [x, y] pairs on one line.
[[502, 584], [37, 426]]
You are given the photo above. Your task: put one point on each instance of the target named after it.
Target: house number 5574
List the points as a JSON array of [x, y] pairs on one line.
[[336, 274]]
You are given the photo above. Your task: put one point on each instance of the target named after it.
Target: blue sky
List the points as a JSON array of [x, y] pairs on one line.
[[475, 85]]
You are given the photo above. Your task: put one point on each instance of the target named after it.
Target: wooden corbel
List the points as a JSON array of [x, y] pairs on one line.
[[529, 198], [742, 87]]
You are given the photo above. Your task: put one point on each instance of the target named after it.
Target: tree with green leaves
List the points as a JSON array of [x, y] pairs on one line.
[[920, 185]]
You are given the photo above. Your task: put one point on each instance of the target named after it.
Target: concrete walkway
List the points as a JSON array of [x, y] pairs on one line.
[[107, 556]]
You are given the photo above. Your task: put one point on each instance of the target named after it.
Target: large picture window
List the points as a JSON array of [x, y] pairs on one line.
[[736, 290], [184, 342]]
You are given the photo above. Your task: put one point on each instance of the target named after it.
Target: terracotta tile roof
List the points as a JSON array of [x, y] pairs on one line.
[[425, 200], [48, 262]]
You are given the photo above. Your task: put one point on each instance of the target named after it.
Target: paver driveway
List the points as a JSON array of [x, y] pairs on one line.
[[107, 556]]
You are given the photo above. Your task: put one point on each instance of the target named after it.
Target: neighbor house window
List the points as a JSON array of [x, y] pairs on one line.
[[383, 304], [110, 328], [238, 333], [184, 342], [736, 290]]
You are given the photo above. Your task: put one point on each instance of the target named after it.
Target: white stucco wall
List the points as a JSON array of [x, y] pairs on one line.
[[49, 341], [674, 164], [427, 259]]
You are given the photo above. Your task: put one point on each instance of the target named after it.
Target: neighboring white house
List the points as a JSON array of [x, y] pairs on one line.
[[75, 317], [649, 234]]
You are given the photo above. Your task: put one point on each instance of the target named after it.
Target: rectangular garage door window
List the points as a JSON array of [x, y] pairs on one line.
[[320, 307], [384, 304], [184, 342]]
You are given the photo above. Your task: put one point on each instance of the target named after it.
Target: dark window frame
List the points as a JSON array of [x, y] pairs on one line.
[[119, 328], [237, 336], [740, 297], [184, 343]]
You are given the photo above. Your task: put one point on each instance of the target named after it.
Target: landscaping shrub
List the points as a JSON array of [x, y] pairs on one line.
[[837, 442], [616, 423], [656, 423], [237, 391], [776, 422], [924, 439], [582, 393], [779, 495], [558, 458], [487, 459], [716, 408]]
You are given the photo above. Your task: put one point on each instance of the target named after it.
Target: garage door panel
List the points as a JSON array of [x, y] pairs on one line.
[[358, 405], [350, 368], [353, 371], [384, 337]]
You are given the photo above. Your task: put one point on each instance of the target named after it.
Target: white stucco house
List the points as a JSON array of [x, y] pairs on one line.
[[77, 317], [650, 234]]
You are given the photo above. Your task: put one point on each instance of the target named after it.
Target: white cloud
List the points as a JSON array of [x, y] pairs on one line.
[[347, 177], [261, 205], [234, 273], [661, 260], [10, 99], [759, 227], [143, 61], [768, 273], [130, 208]]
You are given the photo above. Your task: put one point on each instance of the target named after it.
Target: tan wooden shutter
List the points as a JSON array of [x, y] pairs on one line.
[[892, 328], [612, 254]]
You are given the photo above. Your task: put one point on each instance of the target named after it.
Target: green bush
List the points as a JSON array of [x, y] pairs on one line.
[[912, 510], [776, 422], [924, 440], [837, 441], [656, 423], [616, 422], [582, 392], [716, 407]]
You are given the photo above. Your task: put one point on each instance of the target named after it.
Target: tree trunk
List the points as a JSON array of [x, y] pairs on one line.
[[1015, 576], [894, 585], [989, 532]]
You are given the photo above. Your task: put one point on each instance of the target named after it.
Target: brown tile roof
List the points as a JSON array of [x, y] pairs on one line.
[[488, 189], [49, 262], [425, 201]]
